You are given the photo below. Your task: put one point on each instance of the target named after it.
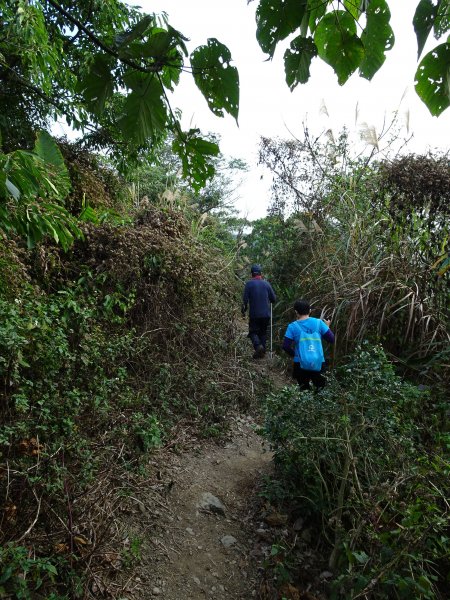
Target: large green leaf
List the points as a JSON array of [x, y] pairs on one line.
[[433, 79], [423, 22], [442, 21], [196, 156], [353, 7], [338, 45], [297, 60], [144, 113], [377, 38], [276, 19], [98, 85], [216, 78], [316, 10], [171, 72], [157, 45], [161, 41], [47, 149]]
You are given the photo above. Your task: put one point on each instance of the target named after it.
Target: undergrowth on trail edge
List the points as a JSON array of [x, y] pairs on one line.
[[364, 462], [107, 352]]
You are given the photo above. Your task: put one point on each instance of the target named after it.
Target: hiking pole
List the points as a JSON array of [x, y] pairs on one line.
[[271, 330]]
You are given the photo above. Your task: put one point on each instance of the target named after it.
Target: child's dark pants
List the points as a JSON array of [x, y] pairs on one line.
[[304, 377]]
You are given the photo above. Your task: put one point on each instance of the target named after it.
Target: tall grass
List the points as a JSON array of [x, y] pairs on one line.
[[358, 265]]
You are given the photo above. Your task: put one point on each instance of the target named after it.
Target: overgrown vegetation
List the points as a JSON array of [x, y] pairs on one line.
[[364, 463], [117, 331], [108, 351], [360, 463], [370, 253]]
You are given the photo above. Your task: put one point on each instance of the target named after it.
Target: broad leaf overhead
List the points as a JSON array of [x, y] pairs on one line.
[[377, 38], [144, 113], [338, 45], [297, 60], [442, 20], [216, 78], [423, 22], [433, 79], [196, 154], [352, 35], [276, 19], [98, 84]]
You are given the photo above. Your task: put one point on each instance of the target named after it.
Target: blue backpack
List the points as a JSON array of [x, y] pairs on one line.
[[309, 345]]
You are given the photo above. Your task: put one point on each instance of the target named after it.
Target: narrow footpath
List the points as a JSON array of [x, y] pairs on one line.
[[206, 541]]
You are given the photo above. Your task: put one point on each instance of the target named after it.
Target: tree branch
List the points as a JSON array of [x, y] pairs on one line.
[[23, 82], [100, 44]]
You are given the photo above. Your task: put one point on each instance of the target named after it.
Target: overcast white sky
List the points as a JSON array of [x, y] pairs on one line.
[[268, 108]]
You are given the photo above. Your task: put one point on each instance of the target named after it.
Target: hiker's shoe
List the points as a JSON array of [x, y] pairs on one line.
[[260, 351]]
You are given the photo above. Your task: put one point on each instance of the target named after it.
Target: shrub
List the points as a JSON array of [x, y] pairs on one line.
[[352, 457], [103, 352]]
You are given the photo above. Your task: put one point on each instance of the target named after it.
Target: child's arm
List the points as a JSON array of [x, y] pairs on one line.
[[328, 335]]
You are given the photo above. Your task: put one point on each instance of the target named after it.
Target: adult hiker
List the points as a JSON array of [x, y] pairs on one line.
[[303, 341], [259, 294]]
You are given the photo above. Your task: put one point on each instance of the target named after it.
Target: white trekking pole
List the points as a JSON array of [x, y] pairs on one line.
[[271, 330]]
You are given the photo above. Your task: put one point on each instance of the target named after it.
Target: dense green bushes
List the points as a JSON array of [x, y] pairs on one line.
[[365, 460], [104, 351], [358, 460]]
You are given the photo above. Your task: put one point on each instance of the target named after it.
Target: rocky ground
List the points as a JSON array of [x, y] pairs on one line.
[[205, 541], [201, 528]]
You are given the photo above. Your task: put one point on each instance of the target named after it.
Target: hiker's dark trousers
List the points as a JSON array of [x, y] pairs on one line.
[[257, 331], [304, 378]]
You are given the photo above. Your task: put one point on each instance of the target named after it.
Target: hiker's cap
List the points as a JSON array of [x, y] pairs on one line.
[[255, 269]]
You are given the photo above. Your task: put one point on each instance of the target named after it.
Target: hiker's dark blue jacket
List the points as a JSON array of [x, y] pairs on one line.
[[259, 294]]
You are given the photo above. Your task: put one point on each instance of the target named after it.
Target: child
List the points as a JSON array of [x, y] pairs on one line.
[[303, 341]]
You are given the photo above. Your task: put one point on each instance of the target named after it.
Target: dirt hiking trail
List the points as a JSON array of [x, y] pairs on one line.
[[204, 541]]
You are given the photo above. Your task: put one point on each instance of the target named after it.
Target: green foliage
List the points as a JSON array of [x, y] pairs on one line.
[[276, 20], [33, 186], [108, 70], [352, 457], [147, 430], [48, 151], [133, 553], [377, 38], [297, 60], [144, 111], [353, 35], [104, 349], [338, 44], [23, 576], [216, 78], [196, 154], [431, 85]]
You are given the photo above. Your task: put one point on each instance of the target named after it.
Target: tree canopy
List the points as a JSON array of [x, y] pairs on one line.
[[108, 69], [353, 35]]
